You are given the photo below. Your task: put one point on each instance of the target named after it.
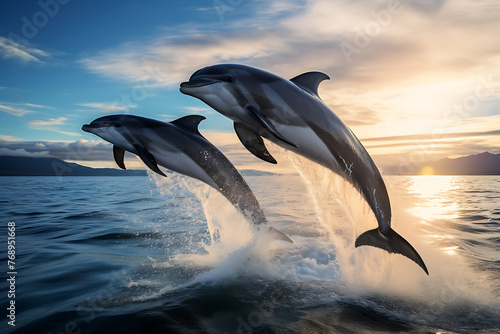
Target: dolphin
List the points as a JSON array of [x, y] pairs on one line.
[[180, 147], [291, 114]]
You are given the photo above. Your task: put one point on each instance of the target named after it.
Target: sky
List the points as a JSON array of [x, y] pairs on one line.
[[416, 80]]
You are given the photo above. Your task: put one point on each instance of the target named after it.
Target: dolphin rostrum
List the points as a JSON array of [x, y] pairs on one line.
[[291, 114], [179, 146]]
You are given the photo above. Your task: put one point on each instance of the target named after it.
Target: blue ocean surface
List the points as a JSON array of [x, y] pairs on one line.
[[170, 255]]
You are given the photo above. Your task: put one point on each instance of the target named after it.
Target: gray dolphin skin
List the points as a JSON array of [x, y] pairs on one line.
[[180, 147], [291, 114]]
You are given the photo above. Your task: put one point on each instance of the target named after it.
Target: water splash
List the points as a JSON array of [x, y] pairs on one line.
[[370, 271], [234, 244], [325, 253]]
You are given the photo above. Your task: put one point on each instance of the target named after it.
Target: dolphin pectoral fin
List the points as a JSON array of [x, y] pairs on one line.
[[310, 81], [148, 159], [279, 235], [268, 125], [119, 154], [391, 242], [253, 142]]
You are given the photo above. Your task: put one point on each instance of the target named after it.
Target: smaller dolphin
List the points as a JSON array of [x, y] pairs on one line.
[[179, 146]]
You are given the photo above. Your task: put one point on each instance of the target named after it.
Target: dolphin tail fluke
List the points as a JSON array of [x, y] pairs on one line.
[[391, 242]]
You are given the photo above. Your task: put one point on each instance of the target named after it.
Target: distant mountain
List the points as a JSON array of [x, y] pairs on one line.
[[28, 166], [478, 164]]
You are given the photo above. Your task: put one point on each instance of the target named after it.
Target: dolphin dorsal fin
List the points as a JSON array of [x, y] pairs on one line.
[[310, 81], [189, 123]]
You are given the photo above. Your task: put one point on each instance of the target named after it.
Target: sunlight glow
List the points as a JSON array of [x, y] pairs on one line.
[[436, 192], [427, 170], [452, 251]]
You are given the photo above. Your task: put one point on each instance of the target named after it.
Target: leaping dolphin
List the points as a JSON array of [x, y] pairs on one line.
[[179, 146], [291, 114]]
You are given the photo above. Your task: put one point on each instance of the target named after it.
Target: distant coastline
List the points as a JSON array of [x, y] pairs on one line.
[[30, 166], [479, 164]]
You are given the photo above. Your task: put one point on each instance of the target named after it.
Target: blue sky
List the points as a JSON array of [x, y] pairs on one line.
[[415, 80], [56, 85]]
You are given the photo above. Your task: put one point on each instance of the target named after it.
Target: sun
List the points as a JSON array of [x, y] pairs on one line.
[[427, 170]]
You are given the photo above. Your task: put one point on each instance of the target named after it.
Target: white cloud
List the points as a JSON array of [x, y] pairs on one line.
[[72, 134], [24, 53], [413, 64], [48, 122], [108, 107], [168, 117], [200, 110], [16, 111], [406, 47], [20, 109], [22, 153], [81, 150], [37, 106], [8, 138]]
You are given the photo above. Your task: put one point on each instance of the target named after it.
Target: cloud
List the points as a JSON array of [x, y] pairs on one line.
[[19, 109], [37, 106], [168, 117], [407, 66], [355, 114], [48, 122], [427, 136], [22, 153], [8, 138], [50, 125], [100, 153], [82, 150], [426, 147], [14, 110], [108, 107], [73, 134], [23, 53], [403, 50], [200, 110]]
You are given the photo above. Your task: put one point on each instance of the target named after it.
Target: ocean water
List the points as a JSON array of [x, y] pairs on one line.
[[170, 255]]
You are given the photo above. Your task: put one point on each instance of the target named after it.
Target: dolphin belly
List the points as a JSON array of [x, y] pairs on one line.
[[309, 146], [179, 162]]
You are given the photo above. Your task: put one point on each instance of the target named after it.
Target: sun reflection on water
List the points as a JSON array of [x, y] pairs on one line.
[[437, 197], [436, 205]]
